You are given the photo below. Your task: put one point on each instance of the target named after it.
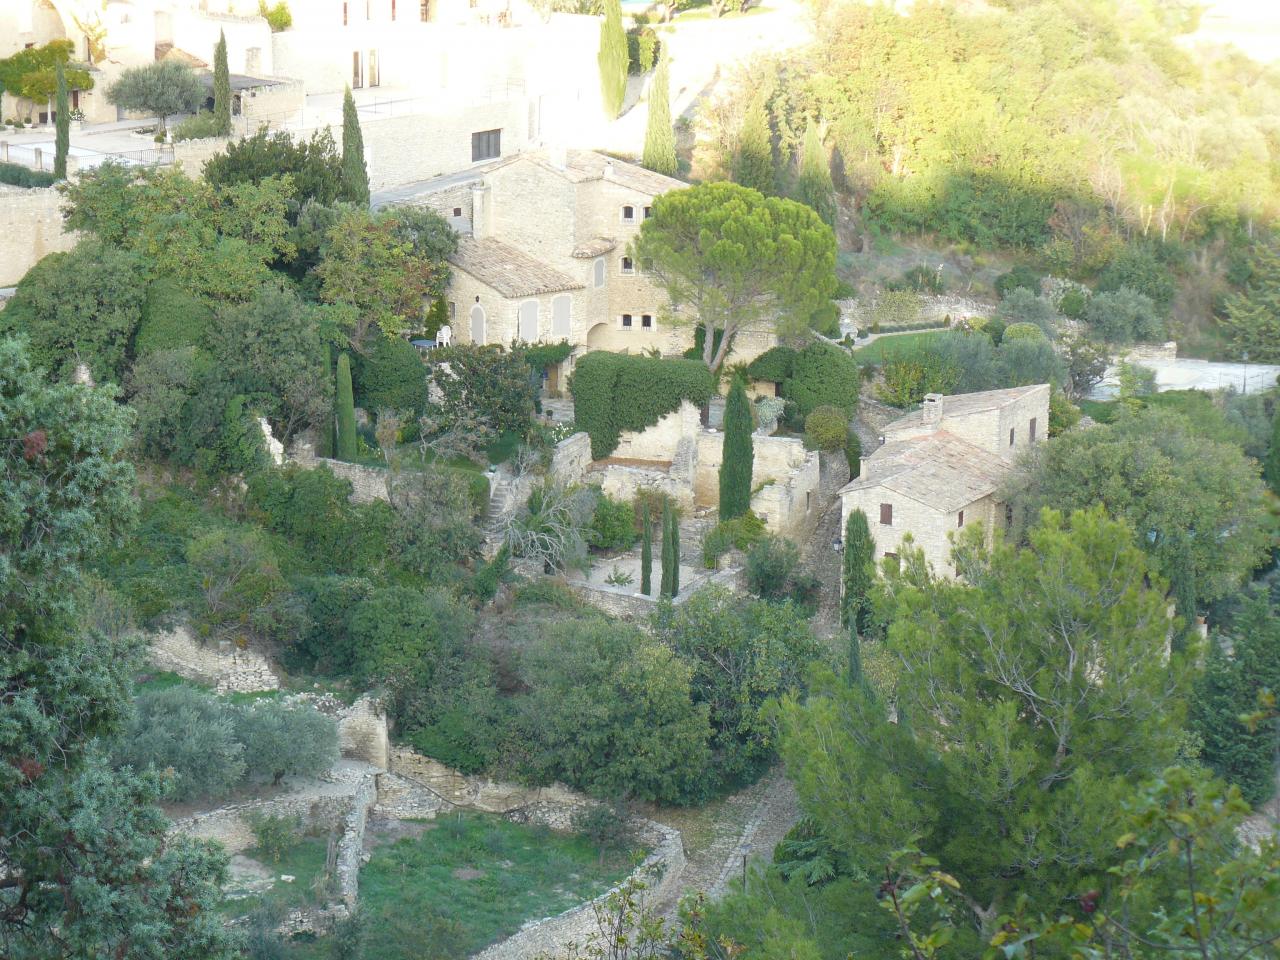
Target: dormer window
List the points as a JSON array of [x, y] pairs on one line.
[[628, 266], [628, 214]]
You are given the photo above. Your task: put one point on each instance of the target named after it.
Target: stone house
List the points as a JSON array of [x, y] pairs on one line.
[[940, 469], [543, 254]]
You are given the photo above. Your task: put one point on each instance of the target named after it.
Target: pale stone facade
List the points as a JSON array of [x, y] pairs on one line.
[[940, 468], [30, 228]]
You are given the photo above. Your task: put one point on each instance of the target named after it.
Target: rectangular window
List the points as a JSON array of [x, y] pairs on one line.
[[626, 321], [344, 13], [646, 320], [357, 70], [486, 145], [393, 9], [373, 68], [628, 266], [886, 514], [457, 211], [424, 10], [453, 310], [648, 212], [628, 214], [1011, 436], [1031, 430], [960, 519]]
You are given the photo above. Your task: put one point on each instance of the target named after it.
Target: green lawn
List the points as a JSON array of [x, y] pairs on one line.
[[304, 862], [468, 881], [875, 351]]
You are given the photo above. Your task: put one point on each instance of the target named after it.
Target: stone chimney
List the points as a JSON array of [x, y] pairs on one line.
[[931, 412], [481, 215]]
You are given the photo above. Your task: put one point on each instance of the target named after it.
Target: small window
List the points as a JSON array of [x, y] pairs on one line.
[[628, 266], [626, 321], [646, 320], [960, 519], [393, 9], [628, 214], [357, 70], [457, 211], [598, 270], [1031, 430], [453, 309], [486, 145], [344, 14], [648, 212], [424, 10], [1011, 436], [886, 514]]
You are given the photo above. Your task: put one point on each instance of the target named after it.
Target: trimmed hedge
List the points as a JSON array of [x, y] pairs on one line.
[[613, 392], [774, 365], [391, 376], [823, 375], [16, 175]]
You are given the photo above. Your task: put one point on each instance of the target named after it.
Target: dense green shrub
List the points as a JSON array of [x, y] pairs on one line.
[[823, 375], [188, 731], [613, 525], [1138, 268], [1073, 303], [739, 533], [198, 127], [243, 594], [921, 279], [1124, 316], [16, 175], [853, 453], [171, 318], [1020, 277], [346, 413], [1023, 306], [738, 454], [275, 834], [613, 392], [773, 573], [774, 365], [1021, 331], [826, 428], [390, 377], [285, 739], [327, 644], [399, 634]]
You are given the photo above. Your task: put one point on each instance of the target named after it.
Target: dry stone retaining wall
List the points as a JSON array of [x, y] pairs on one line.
[[225, 666]]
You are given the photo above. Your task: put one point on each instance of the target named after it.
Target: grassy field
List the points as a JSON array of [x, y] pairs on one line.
[[875, 351], [467, 881], [304, 861]]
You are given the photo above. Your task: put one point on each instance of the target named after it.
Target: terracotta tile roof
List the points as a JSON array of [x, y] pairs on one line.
[[937, 469], [594, 248], [508, 270]]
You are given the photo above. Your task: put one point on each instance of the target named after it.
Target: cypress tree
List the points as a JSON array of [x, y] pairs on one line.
[[221, 87], [355, 178], [646, 552], [815, 187], [326, 442], [346, 411], [659, 138], [855, 659], [859, 572], [739, 452], [753, 161], [853, 453], [62, 120], [613, 59], [675, 554], [664, 589], [1271, 466]]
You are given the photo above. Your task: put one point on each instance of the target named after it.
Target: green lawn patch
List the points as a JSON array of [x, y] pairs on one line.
[[304, 861], [471, 880], [878, 350]]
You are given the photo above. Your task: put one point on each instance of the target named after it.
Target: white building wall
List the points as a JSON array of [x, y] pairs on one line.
[[249, 40]]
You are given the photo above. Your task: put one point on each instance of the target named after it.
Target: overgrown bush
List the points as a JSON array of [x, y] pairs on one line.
[[16, 175], [1022, 306], [1138, 268], [773, 366], [282, 739], [613, 525], [739, 533], [1073, 303], [823, 375], [1124, 316], [1021, 331], [773, 573], [826, 428], [203, 124], [275, 834], [172, 317], [1019, 278], [921, 279], [607, 828], [613, 392], [390, 377], [243, 595]]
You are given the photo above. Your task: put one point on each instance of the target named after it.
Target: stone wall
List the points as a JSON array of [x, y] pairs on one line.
[[421, 146], [362, 732], [30, 228], [628, 604], [194, 154], [571, 459], [933, 307], [222, 665], [367, 483]]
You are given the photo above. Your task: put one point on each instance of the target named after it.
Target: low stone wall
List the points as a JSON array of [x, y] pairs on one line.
[[621, 602], [351, 846], [223, 665], [1150, 351], [571, 458], [660, 872], [367, 483], [936, 307]]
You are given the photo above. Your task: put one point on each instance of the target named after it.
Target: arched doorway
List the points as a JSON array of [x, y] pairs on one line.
[[477, 324]]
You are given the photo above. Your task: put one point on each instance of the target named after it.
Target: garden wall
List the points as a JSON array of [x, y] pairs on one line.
[[222, 665], [30, 228]]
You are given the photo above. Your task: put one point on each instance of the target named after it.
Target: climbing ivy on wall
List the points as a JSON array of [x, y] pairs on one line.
[[613, 392]]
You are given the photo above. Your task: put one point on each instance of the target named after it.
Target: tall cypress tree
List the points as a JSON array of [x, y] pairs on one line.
[[815, 187], [854, 675], [221, 87], [859, 572], [659, 138], [675, 553], [664, 589], [355, 178], [753, 161], [1271, 466], [613, 59], [62, 138], [739, 452], [646, 552], [346, 411]]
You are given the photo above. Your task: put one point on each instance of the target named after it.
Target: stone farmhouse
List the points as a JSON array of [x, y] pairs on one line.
[[544, 256], [940, 468]]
